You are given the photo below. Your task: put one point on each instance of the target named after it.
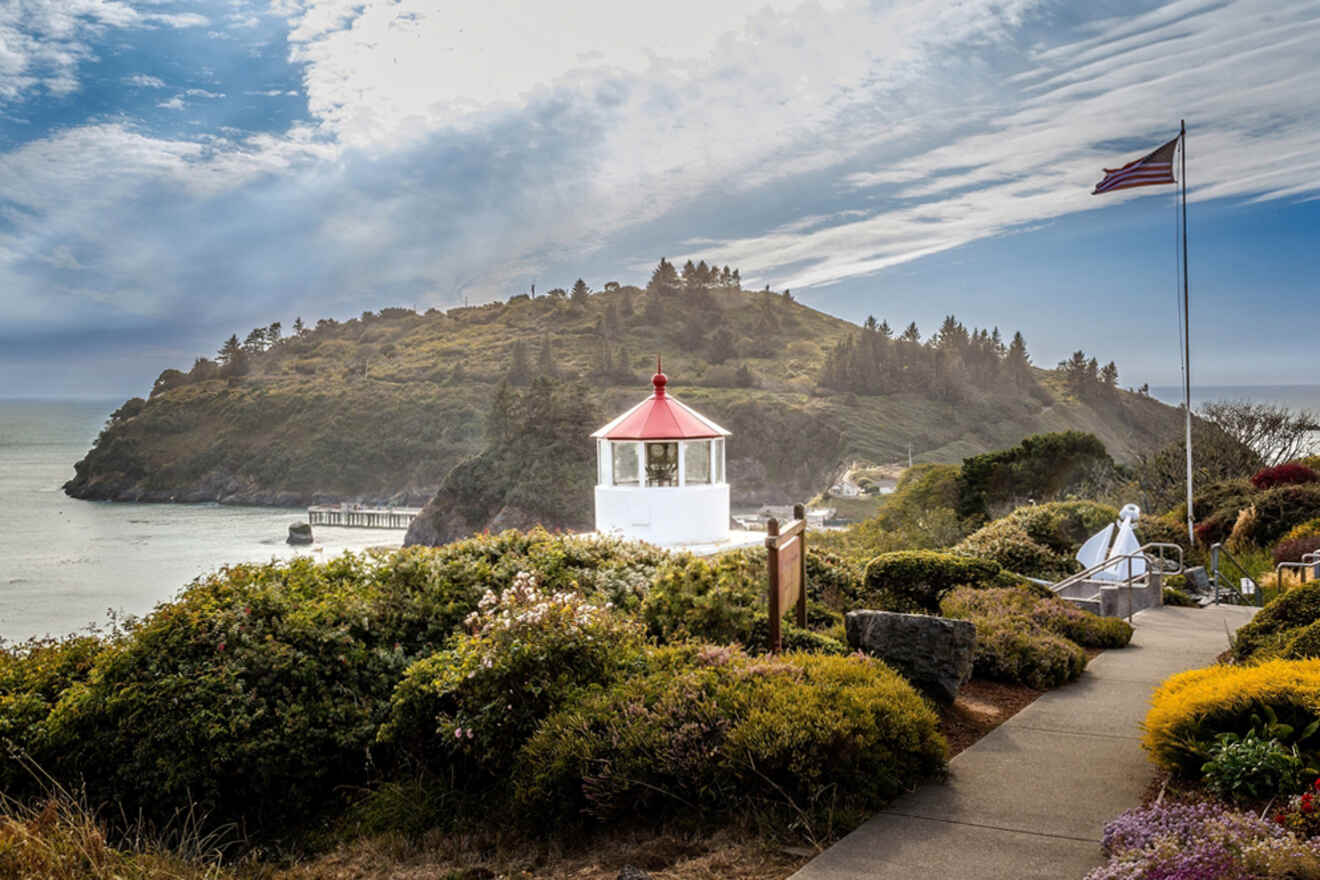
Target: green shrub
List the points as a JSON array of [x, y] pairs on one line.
[[1041, 466], [1006, 543], [916, 580], [1038, 540], [33, 677], [1303, 644], [1250, 767], [1086, 629], [1294, 609], [1279, 699], [472, 706], [793, 638], [1026, 639], [1177, 598], [258, 692], [712, 731], [715, 599], [1007, 652]]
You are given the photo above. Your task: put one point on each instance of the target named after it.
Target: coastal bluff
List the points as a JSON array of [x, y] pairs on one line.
[[385, 408]]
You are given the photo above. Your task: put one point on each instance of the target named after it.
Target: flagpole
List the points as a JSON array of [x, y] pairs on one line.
[[1187, 342]]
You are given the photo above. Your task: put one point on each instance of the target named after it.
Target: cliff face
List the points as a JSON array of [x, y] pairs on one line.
[[385, 408]]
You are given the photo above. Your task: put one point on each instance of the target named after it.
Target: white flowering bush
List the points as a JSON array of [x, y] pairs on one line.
[[526, 650]]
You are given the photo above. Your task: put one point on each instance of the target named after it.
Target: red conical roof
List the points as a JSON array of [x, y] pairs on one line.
[[660, 417]]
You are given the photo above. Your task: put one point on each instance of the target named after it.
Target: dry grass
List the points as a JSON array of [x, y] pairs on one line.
[[724, 855], [61, 841]]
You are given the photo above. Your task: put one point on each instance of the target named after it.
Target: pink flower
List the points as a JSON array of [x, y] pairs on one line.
[[458, 733]]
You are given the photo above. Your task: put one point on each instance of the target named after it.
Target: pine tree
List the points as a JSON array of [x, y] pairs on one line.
[[298, 327], [1109, 376], [580, 291], [664, 280], [273, 333], [1017, 360], [256, 341], [232, 358], [691, 280], [703, 273]]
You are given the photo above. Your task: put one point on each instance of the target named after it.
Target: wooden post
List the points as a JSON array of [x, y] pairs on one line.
[[772, 553], [800, 514]]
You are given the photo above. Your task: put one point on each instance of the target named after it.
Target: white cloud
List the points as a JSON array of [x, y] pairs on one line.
[[203, 93], [143, 81], [543, 131], [42, 42]]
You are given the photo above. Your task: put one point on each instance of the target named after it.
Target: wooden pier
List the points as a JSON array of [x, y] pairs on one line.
[[362, 517]]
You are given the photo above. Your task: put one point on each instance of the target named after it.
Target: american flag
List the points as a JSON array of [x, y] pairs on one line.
[[1157, 167]]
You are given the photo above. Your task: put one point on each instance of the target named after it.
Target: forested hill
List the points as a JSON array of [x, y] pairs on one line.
[[383, 407]]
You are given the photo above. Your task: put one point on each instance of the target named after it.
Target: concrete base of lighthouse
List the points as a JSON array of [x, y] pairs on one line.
[[664, 515]]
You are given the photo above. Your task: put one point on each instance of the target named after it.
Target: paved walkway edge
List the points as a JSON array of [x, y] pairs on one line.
[[1031, 798]]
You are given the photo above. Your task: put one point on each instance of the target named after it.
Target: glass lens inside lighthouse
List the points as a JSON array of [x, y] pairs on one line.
[[662, 464]]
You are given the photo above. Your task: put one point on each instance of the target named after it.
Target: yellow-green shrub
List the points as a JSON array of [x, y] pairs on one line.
[[712, 730], [1191, 708]]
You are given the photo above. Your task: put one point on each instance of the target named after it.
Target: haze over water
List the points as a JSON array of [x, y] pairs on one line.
[[64, 562]]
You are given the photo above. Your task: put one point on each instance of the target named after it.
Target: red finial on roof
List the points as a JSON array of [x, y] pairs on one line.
[[659, 380]]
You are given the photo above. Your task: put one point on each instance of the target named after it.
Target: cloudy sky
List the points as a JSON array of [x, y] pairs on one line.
[[171, 173]]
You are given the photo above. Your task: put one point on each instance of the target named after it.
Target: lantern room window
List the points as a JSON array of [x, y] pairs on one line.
[[696, 462], [626, 469], [662, 464]]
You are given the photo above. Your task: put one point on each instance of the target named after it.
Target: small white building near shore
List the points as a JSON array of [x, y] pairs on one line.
[[660, 473]]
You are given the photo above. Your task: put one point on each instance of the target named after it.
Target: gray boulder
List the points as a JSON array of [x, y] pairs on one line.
[[934, 653], [631, 873], [300, 533]]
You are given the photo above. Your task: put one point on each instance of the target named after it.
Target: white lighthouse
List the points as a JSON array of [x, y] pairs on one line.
[[660, 473]]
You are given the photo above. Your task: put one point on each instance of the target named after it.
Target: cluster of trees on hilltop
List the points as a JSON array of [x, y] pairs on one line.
[[1087, 379], [875, 361]]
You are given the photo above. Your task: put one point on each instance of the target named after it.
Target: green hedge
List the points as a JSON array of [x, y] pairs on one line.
[[916, 580], [713, 732]]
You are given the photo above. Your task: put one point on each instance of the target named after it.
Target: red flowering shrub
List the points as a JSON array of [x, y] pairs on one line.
[[1293, 550], [1289, 474]]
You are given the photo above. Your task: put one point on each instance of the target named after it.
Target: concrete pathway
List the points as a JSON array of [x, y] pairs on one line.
[[1031, 798]]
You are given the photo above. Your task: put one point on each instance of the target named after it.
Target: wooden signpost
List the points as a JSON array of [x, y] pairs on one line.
[[787, 553]]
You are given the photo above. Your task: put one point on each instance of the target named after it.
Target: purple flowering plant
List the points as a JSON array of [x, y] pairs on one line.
[[1204, 841]]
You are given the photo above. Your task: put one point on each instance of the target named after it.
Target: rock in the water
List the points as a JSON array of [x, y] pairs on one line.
[[300, 533], [631, 873], [934, 653]]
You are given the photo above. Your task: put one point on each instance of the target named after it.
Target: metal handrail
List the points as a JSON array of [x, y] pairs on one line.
[[1304, 566], [1218, 551], [1140, 552]]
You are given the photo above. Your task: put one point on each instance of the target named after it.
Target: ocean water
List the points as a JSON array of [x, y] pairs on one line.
[[64, 562], [1296, 397]]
